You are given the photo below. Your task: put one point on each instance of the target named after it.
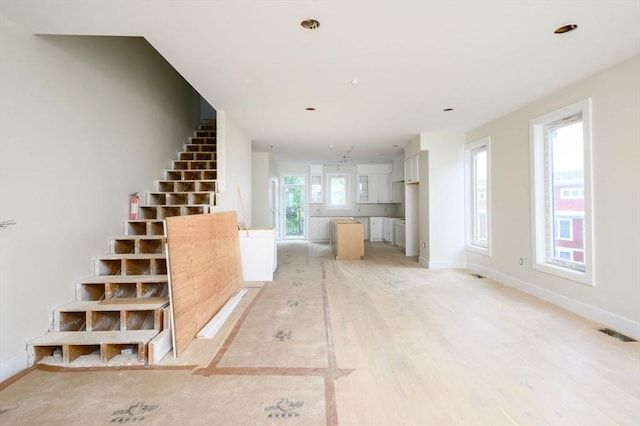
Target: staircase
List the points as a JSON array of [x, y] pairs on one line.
[[123, 308]]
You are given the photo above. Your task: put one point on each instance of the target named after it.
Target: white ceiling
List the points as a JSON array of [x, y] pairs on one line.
[[412, 59]]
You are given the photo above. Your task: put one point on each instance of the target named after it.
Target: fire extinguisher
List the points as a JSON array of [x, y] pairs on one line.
[[134, 202]]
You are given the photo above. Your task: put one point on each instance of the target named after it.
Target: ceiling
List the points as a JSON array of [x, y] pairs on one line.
[[412, 59]]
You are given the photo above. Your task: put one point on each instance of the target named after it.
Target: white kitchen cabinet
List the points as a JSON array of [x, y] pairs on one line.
[[397, 170], [411, 171], [375, 229], [365, 226], [363, 188], [388, 230], [319, 229], [373, 183], [374, 188], [397, 192], [400, 233], [259, 254], [392, 232], [315, 184]]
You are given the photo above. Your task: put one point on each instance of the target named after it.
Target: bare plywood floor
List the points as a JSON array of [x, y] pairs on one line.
[[381, 341]]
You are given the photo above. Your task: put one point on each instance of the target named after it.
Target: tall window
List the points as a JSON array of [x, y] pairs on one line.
[[478, 199], [561, 197], [338, 191]]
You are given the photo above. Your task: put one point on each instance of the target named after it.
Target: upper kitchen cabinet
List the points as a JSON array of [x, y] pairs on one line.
[[315, 184], [397, 169], [411, 173], [374, 185]]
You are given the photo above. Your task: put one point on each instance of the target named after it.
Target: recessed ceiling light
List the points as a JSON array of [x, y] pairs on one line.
[[565, 29], [310, 109], [310, 24], [448, 109], [355, 82], [330, 146], [394, 146]]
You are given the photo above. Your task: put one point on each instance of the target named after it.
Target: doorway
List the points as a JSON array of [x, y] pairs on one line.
[[293, 189]]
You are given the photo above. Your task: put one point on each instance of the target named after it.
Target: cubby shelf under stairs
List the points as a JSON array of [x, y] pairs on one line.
[[123, 308]]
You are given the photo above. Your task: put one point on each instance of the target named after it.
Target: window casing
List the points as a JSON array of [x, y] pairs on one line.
[[337, 191], [478, 196], [561, 196]]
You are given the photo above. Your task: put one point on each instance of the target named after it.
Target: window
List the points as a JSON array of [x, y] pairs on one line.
[[478, 196], [338, 191], [572, 193], [561, 176], [563, 229], [564, 254]]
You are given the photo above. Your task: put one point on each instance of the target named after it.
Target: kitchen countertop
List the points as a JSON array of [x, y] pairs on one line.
[[349, 217]]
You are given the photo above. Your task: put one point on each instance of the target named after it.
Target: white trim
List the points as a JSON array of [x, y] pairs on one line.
[[538, 209], [618, 323], [454, 264], [13, 365], [215, 324], [468, 187], [347, 195]]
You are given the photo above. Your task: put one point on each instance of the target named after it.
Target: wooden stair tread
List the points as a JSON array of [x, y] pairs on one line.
[[123, 304], [175, 206], [138, 237], [160, 302], [59, 338], [131, 256], [101, 279]]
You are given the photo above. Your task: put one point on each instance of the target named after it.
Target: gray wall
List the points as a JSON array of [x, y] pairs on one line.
[[85, 122]]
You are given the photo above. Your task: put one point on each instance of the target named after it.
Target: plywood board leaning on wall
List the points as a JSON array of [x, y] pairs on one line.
[[205, 270]]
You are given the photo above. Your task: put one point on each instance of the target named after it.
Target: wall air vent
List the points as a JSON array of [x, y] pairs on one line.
[[617, 335], [565, 29], [310, 24]]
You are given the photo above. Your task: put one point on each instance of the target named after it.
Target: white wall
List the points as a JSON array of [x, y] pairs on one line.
[[264, 171], [85, 122], [614, 300], [260, 181], [442, 200], [234, 168]]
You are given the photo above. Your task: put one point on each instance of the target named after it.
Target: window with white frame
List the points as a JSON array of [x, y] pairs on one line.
[[563, 229], [478, 196], [561, 176], [572, 193], [338, 191]]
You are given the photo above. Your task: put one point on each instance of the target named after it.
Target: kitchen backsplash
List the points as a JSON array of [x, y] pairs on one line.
[[389, 210]]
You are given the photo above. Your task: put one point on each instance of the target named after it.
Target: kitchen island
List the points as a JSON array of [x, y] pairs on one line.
[[346, 237]]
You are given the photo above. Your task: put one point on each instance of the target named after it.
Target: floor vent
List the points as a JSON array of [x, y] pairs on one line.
[[617, 335], [477, 276]]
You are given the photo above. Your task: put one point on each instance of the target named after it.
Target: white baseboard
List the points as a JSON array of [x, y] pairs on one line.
[[609, 319], [442, 264], [13, 365]]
